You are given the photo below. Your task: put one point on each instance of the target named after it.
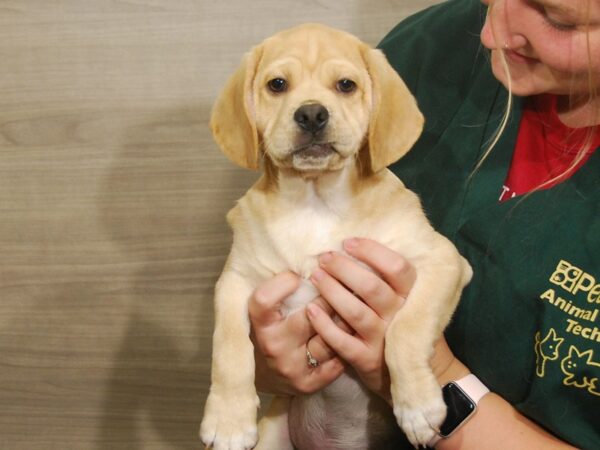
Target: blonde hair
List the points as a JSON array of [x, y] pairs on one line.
[[592, 95]]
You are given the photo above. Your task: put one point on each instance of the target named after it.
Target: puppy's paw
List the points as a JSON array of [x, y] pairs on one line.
[[421, 419], [229, 423]]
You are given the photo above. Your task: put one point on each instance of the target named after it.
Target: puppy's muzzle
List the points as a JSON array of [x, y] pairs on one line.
[[312, 120]]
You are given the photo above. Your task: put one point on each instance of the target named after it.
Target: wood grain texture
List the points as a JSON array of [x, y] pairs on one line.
[[112, 204]]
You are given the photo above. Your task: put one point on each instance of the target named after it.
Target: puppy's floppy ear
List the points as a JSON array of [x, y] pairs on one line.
[[396, 121], [232, 121]]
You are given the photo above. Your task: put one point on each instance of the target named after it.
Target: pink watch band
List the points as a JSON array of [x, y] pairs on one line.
[[473, 388]]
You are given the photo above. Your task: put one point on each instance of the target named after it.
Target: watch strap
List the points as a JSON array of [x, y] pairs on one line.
[[474, 389]]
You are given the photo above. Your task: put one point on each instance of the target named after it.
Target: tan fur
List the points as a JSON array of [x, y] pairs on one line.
[[306, 205]]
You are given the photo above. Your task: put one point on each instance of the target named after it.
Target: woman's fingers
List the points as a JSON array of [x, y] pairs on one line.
[[393, 268], [317, 378], [364, 353], [319, 349], [290, 374], [341, 342], [361, 281], [358, 315], [265, 305]]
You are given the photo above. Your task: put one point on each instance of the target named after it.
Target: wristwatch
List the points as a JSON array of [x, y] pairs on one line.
[[461, 398]]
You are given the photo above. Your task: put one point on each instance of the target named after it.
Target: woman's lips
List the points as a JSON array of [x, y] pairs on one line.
[[518, 58]]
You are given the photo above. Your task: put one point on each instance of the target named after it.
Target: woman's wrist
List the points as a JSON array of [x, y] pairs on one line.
[[454, 371], [496, 424], [446, 367]]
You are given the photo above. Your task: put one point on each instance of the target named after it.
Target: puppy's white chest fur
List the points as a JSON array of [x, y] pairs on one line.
[[304, 220], [305, 230], [308, 227]]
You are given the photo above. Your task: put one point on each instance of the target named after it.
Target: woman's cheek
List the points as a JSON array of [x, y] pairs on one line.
[[565, 53]]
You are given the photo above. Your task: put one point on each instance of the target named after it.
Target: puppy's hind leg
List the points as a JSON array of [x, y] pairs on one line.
[[273, 428]]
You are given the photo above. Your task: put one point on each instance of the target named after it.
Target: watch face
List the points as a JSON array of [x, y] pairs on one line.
[[459, 405]]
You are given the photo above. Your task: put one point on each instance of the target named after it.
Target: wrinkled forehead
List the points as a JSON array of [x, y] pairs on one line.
[[312, 46]]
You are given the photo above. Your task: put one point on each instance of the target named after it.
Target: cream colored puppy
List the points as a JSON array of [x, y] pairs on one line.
[[324, 114]]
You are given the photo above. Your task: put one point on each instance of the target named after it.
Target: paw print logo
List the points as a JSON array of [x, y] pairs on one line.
[[566, 275]]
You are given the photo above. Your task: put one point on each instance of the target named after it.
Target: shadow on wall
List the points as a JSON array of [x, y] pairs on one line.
[[164, 205], [148, 388]]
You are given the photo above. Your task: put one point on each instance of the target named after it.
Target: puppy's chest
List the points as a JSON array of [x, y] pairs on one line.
[[290, 230], [301, 234]]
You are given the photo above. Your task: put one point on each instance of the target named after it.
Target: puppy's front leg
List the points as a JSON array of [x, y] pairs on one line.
[[229, 421], [410, 340]]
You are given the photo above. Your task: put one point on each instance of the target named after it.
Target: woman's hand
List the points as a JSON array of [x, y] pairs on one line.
[[366, 300], [281, 362]]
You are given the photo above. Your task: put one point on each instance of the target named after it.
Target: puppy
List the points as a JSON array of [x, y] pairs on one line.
[[324, 114]]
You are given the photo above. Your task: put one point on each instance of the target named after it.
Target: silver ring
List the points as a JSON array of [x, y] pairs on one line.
[[310, 359]]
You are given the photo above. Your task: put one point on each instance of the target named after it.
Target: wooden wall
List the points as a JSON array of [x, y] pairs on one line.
[[112, 205]]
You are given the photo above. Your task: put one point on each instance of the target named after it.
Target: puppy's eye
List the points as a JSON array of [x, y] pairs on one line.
[[346, 86], [277, 85]]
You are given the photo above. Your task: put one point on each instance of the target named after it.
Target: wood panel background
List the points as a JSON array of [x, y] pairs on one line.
[[112, 205]]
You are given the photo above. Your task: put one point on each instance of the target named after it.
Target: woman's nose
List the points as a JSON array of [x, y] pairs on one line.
[[501, 27]]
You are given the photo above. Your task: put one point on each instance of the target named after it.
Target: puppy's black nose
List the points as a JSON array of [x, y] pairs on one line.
[[312, 117]]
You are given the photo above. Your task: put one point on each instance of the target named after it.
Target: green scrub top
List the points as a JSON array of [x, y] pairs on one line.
[[528, 323]]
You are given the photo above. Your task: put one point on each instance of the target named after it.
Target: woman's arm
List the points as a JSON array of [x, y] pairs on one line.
[[281, 343], [496, 425]]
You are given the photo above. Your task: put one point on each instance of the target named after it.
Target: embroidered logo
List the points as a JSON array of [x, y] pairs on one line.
[[576, 295], [577, 367], [574, 280]]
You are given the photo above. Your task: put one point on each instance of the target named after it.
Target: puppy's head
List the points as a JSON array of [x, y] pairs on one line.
[[314, 99]]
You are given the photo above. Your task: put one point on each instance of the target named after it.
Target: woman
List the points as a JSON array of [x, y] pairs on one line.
[[524, 215]]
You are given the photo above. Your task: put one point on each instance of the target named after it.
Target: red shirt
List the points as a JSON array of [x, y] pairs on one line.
[[545, 148]]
